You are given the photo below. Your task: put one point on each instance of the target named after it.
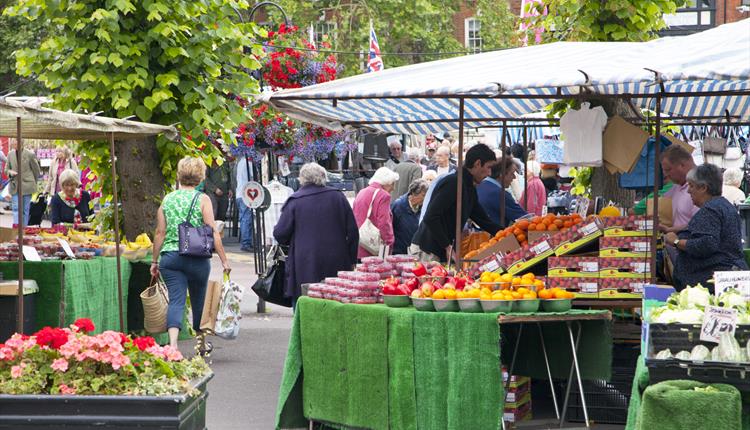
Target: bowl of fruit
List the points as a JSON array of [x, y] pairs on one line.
[[396, 300], [444, 300], [496, 305], [556, 300], [526, 305]]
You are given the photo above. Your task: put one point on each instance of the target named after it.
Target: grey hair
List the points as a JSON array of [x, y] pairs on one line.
[[69, 176], [312, 174], [413, 154], [418, 187], [733, 176], [384, 176], [708, 175]]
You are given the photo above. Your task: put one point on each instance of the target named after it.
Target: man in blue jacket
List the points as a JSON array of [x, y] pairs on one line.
[[406, 215], [489, 193]]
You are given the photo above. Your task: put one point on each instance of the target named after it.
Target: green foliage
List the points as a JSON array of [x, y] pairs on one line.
[[611, 20], [164, 61], [18, 33], [581, 185], [498, 24]]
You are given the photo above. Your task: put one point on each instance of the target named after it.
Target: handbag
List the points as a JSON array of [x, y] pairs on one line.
[[733, 157], [714, 144], [155, 300], [195, 241], [227, 322], [369, 235], [270, 285]]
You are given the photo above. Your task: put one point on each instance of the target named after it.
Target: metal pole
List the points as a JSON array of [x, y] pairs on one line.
[[117, 227], [657, 177], [20, 207], [502, 174], [459, 185], [525, 170]]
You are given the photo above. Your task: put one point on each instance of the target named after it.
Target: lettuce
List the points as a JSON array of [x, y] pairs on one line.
[[694, 297], [732, 298]]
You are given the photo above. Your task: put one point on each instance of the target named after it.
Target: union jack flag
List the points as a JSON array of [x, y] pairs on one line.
[[375, 62]]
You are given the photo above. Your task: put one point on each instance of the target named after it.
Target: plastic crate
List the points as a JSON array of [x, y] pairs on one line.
[[606, 402], [737, 375], [683, 337]]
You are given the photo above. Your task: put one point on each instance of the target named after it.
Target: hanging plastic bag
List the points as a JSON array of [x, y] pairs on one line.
[[228, 319]]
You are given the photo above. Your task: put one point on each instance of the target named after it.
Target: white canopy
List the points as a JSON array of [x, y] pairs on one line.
[[43, 123], [506, 84]]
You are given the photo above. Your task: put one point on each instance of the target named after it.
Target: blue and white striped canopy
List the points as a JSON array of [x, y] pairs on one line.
[[424, 98]]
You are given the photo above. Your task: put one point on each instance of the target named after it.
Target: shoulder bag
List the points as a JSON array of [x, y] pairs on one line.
[[195, 241], [270, 285], [714, 144], [369, 235], [155, 300], [733, 157]]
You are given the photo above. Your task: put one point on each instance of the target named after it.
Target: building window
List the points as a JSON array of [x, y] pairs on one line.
[[695, 16], [472, 36], [325, 32]]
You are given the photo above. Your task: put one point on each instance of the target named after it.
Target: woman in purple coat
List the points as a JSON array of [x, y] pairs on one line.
[[317, 223]]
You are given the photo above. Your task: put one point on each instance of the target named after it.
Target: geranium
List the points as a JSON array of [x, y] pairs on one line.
[[84, 325], [81, 363]]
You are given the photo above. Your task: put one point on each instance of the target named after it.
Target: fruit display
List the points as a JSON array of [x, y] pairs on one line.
[[611, 286], [573, 266], [579, 235], [472, 242], [625, 267], [527, 255], [579, 287], [625, 247], [628, 226]]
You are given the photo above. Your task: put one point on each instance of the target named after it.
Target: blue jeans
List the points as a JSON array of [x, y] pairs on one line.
[[183, 274], [246, 224], [26, 207]]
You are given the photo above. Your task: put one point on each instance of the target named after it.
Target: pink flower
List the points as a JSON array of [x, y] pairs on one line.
[[60, 364], [6, 353], [17, 371], [64, 389]]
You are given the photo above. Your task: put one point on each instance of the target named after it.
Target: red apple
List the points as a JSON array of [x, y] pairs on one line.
[[427, 288]]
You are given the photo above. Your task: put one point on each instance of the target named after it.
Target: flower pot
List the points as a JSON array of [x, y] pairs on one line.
[[38, 412]]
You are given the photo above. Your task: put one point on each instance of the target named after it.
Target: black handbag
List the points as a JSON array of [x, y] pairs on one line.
[[195, 241], [270, 285]]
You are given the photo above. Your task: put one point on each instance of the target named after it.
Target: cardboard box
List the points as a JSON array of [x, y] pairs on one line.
[[621, 288], [518, 392], [573, 267], [625, 267], [578, 236], [584, 288], [488, 264], [528, 256], [507, 244], [628, 226], [625, 247], [622, 143], [8, 234], [516, 414], [665, 210]]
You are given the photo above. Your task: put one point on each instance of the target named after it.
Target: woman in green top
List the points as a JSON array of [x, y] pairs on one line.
[[181, 273]]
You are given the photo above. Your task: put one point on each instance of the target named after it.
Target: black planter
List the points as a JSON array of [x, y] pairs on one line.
[[45, 412]]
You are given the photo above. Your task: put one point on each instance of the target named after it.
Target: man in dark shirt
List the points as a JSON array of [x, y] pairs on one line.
[[436, 232], [489, 193]]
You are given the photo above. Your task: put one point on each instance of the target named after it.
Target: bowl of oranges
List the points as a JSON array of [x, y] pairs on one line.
[[556, 300]]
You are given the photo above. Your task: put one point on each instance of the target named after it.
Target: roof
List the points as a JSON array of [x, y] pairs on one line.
[[43, 123], [424, 98]]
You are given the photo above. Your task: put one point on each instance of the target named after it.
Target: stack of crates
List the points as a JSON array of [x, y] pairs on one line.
[[517, 400]]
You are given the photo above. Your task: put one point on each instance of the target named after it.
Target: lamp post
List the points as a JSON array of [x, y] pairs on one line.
[[262, 4]]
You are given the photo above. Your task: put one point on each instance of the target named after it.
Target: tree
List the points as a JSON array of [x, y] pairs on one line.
[[402, 26], [18, 33], [611, 20], [164, 61], [499, 24]]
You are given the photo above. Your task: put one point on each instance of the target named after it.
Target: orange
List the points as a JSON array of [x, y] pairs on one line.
[[538, 284], [536, 220], [541, 226], [552, 227], [521, 237], [568, 224], [516, 281], [523, 290], [545, 294], [516, 295], [528, 276], [523, 224], [450, 294], [529, 296], [558, 222], [561, 294], [517, 231], [532, 227], [461, 294], [439, 294]]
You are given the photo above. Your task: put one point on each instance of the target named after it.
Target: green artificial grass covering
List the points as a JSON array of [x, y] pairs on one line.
[[289, 411], [675, 405], [402, 395], [91, 292], [49, 277]]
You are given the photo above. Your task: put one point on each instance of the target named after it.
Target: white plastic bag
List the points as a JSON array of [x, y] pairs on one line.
[[228, 319]]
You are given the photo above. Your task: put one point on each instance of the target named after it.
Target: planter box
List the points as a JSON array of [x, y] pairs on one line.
[[43, 412]]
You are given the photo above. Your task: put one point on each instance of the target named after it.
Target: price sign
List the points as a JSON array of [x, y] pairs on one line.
[[589, 266], [541, 248], [644, 224], [30, 254], [588, 229], [491, 265], [718, 321], [589, 287], [739, 280], [66, 247], [583, 206], [641, 246], [641, 267]]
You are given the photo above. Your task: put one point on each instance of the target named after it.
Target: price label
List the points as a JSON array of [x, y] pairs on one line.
[[739, 280], [588, 287], [541, 248], [589, 266], [641, 267], [30, 254], [491, 266], [588, 229], [644, 224], [641, 246], [718, 321], [637, 287], [583, 206], [66, 247]]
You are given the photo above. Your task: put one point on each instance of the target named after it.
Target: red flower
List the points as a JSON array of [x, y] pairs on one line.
[[206, 132], [52, 337], [144, 342], [279, 119], [123, 338], [85, 325], [290, 123]]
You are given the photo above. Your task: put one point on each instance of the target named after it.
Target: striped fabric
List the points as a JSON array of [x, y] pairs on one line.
[[400, 100]]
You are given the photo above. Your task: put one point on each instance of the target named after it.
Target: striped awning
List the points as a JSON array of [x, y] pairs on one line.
[[713, 67]]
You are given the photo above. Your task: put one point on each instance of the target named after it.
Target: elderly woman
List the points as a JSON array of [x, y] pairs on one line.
[[71, 201], [731, 190], [711, 242], [183, 273], [534, 198], [442, 164], [374, 202], [406, 215], [63, 161], [318, 226]]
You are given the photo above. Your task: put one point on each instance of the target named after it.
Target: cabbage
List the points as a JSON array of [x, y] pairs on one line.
[[664, 354], [682, 355], [729, 348], [699, 353], [732, 298], [667, 315], [715, 354], [693, 297]]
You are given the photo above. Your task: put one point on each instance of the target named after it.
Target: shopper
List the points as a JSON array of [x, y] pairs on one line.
[[72, 204], [443, 164], [731, 190], [489, 192], [376, 200], [534, 199], [218, 188], [396, 153], [408, 171], [406, 215], [712, 240], [243, 173], [549, 177], [29, 175], [429, 176], [318, 226], [183, 273], [676, 162], [63, 161], [436, 233]]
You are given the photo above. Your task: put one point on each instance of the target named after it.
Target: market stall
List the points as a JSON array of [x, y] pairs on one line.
[[20, 121]]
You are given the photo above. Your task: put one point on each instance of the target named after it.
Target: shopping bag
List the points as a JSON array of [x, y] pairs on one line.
[[155, 301], [211, 306], [270, 285], [665, 210], [227, 323]]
